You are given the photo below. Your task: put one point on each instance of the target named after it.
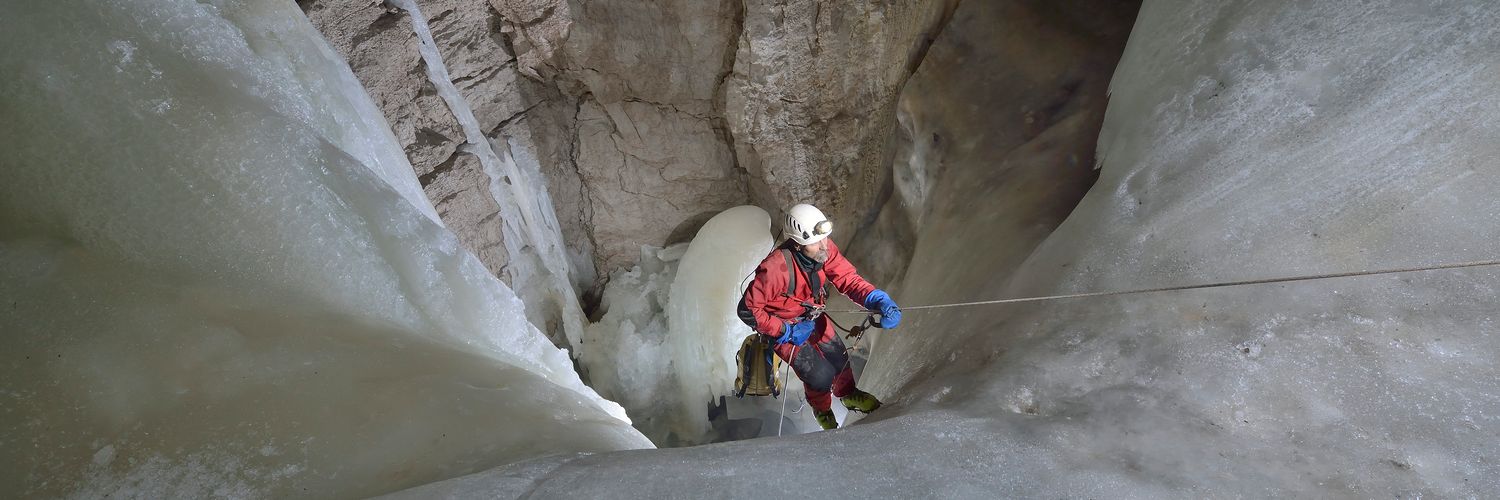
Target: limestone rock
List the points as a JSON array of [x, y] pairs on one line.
[[646, 118], [479, 63], [535, 28], [654, 170], [996, 133], [657, 163], [812, 98], [460, 192], [382, 50], [674, 53], [647, 61]]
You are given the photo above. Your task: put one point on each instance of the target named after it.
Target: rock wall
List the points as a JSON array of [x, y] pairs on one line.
[[812, 99], [649, 148], [995, 142], [378, 42], [647, 119]]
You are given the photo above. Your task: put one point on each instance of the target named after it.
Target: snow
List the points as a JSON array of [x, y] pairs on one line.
[[219, 280]]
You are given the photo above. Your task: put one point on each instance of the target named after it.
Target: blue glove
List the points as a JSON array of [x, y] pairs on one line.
[[797, 333], [879, 301]]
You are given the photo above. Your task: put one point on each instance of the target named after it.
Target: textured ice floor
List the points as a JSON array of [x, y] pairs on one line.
[[1147, 397], [1244, 140]]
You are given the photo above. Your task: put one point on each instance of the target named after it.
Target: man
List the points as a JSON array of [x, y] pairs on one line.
[[804, 337]]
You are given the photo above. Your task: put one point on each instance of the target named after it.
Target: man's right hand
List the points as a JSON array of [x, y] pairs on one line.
[[797, 333]]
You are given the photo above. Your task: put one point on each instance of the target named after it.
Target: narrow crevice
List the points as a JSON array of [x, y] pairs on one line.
[[478, 77], [593, 297], [720, 121], [513, 118], [437, 171]]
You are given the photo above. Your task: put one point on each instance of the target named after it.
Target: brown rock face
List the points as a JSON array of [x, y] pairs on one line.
[[382, 50], [379, 45], [812, 98], [647, 144], [645, 118], [996, 138], [655, 168], [619, 126]]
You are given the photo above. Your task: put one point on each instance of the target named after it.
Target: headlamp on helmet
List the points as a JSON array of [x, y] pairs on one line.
[[806, 225]]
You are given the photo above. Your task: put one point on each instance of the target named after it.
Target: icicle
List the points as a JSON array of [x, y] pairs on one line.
[[538, 258]]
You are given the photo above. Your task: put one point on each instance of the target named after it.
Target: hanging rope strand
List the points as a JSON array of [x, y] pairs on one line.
[[784, 372], [1438, 267]]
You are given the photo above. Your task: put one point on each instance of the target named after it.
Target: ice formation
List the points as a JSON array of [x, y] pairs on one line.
[[215, 287], [665, 347], [538, 264], [220, 280], [1243, 140]]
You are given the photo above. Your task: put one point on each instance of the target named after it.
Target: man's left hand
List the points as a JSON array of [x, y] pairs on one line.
[[881, 302]]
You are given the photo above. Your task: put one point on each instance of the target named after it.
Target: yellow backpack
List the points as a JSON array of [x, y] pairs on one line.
[[757, 363]]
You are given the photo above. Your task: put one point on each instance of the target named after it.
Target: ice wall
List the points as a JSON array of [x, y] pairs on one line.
[[217, 282], [1243, 140], [1248, 140]]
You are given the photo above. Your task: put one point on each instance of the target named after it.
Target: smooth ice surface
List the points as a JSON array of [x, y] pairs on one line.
[[1243, 140], [666, 344], [213, 287]]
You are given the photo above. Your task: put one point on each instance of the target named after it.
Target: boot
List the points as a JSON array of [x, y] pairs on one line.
[[860, 401], [826, 419]]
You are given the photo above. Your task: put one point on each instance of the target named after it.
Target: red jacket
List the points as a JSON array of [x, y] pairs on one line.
[[773, 310]]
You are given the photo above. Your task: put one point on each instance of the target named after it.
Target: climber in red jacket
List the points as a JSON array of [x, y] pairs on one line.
[[804, 337]]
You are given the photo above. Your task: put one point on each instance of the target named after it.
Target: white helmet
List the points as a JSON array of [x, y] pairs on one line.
[[805, 224]]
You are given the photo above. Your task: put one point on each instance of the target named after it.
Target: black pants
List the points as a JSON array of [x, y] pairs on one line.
[[824, 367]]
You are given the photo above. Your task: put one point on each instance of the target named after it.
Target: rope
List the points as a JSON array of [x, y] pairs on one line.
[[782, 421], [1437, 267]]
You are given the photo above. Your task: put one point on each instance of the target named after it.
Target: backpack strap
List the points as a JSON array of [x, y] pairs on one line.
[[791, 272], [771, 373], [744, 359], [744, 378]]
